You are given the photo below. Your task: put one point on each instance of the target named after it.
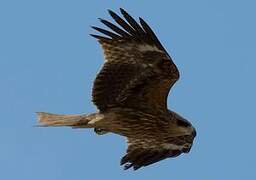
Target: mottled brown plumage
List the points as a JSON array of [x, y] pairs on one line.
[[131, 92]]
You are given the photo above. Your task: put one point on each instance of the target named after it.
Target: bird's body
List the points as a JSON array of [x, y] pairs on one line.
[[131, 93]]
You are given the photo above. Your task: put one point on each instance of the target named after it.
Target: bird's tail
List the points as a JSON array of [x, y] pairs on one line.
[[76, 121]]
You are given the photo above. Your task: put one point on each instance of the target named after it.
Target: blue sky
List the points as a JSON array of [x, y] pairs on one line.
[[48, 63]]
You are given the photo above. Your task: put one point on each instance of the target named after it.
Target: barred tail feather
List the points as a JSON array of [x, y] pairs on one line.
[[49, 119]]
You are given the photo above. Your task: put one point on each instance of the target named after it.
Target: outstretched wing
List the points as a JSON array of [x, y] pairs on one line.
[[138, 72], [143, 152]]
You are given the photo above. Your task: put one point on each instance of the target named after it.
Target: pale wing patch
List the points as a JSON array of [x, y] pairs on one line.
[[118, 51], [172, 146], [143, 143], [147, 47]]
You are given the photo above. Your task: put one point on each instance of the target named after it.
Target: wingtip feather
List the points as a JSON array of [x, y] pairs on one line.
[[122, 11]]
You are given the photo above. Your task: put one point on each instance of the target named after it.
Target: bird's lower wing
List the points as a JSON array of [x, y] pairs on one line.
[[143, 153]]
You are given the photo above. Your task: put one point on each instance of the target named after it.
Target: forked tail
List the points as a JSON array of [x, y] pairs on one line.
[[76, 121]]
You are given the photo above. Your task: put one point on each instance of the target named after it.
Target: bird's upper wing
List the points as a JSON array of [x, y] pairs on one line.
[[138, 72], [143, 152]]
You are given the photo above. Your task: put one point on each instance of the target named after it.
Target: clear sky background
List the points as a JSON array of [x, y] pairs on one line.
[[48, 63]]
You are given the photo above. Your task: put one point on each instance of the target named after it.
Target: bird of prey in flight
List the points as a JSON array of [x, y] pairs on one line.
[[130, 92]]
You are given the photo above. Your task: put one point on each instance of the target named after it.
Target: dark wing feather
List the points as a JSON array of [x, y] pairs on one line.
[[116, 29], [143, 152], [152, 35], [138, 72], [108, 33], [132, 22], [101, 38], [122, 23]]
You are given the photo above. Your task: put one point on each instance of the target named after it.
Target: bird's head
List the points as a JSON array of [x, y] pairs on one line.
[[181, 134], [183, 124]]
